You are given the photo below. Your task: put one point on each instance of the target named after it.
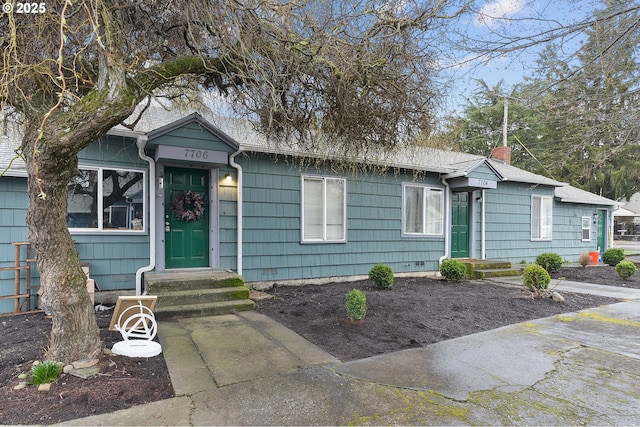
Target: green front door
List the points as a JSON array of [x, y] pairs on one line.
[[460, 225], [186, 223], [602, 229]]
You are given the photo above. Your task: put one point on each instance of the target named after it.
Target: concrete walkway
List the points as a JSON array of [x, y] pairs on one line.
[[247, 369]]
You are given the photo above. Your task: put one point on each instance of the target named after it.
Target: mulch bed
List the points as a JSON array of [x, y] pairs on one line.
[[415, 312], [123, 382]]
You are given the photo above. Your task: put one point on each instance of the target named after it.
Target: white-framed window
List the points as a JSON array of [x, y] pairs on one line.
[[586, 228], [423, 210], [541, 217], [109, 200], [324, 209]]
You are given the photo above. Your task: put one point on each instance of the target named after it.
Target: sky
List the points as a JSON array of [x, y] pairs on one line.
[[509, 18]]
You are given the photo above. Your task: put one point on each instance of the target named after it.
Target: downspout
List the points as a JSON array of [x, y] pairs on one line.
[[483, 225], [141, 143], [233, 164], [447, 231]]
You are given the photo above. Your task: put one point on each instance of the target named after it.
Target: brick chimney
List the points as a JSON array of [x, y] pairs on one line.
[[502, 153]]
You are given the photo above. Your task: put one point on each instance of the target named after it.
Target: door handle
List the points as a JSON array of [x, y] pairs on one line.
[[167, 227]]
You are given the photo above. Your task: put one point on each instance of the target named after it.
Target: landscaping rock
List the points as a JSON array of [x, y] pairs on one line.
[[84, 363], [557, 297], [85, 373], [44, 387]]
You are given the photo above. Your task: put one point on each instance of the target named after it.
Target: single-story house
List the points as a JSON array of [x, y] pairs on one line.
[[186, 195]]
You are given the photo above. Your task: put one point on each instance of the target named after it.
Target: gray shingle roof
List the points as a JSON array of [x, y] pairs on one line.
[[448, 163], [512, 173], [569, 194]]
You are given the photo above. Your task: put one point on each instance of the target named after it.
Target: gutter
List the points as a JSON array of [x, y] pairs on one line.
[[236, 166], [484, 227], [141, 142], [447, 220]]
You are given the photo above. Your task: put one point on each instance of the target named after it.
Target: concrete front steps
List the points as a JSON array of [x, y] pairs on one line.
[[483, 268], [196, 293]]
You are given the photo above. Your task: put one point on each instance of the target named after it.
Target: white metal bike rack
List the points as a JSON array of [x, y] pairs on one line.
[[133, 318]]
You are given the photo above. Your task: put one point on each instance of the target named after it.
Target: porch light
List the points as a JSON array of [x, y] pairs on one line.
[[227, 178]]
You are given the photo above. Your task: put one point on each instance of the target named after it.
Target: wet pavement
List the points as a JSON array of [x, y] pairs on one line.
[[247, 369]]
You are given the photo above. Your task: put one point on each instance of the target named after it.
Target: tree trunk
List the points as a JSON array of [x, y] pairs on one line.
[[75, 334]]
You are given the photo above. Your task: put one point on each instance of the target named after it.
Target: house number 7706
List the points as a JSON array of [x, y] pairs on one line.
[[190, 153]]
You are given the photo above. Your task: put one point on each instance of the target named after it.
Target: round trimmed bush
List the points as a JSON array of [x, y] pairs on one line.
[[625, 269], [382, 275], [356, 304], [612, 256], [453, 270], [549, 261], [536, 277]]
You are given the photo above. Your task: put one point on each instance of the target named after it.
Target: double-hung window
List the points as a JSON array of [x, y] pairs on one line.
[[107, 200], [586, 228], [323, 209], [423, 210], [541, 217]]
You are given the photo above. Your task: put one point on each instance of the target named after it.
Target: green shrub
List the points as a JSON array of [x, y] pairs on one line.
[[625, 269], [549, 261], [356, 304], [45, 372], [453, 270], [536, 278], [382, 275], [612, 256]]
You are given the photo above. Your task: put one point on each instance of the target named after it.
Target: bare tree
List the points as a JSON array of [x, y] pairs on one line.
[[576, 118], [357, 72]]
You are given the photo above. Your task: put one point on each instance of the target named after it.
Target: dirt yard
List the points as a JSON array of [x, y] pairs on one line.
[[414, 313]]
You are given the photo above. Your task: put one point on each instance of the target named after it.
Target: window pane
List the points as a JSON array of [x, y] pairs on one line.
[[335, 209], [122, 200], [586, 228], [535, 217], [434, 211], [82, 198], [312, 209], [413, 209], [547, 220]]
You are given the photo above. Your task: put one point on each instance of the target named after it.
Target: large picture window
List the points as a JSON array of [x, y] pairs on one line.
[[541, 217], [323, 209], [103, 199], [423, 210]]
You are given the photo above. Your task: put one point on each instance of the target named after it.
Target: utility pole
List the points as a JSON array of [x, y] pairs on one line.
[[504, 121]]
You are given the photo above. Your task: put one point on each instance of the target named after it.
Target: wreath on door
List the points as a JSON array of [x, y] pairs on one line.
[[188, 206]]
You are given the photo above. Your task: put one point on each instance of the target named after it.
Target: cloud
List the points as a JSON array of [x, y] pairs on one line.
[[492, 13]]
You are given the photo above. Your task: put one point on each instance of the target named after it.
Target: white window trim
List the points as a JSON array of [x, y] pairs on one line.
[[588, 227], [324, 238], [100, 229], [550, 237], [424, 210]]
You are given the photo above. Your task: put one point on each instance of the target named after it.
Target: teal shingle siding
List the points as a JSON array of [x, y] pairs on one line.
[[13, 209], [483, 172], [112, 151], [114, 259], [508, 225], [192, 136], [272, 242]]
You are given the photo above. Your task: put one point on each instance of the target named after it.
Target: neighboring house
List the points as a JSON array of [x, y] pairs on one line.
[[297, 220], [627, 219]]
